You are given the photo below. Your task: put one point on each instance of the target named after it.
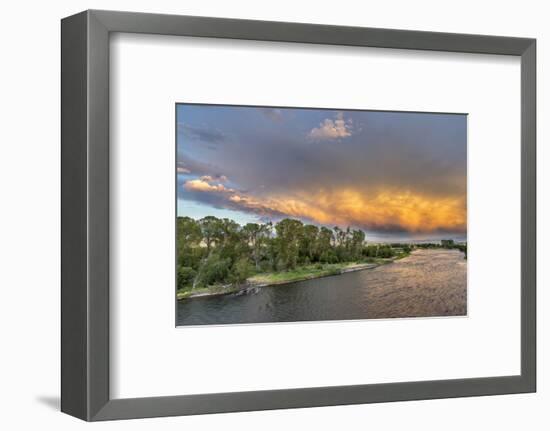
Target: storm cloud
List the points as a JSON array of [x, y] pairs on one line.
[[379, 171]]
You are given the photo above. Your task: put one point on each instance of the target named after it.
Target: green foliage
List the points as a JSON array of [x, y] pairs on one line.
[[186, 274], [385, 251], [370, 251], [189, 237], [241, 270], [213, 251], [328, 256], [188, 231], [289, 234], [447, 243], [428, 245], [256, 236], [308, 250], [212, 231], [214, 269]]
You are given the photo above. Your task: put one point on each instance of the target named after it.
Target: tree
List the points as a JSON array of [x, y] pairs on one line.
[[188, 231], [289, 232], [256, 236], [324, 248], [188, 239], [308, 243], [339, 236], [213, 250], [186, 276], [213, 269], [385, 251], [231, 244], [212, 231], [356, 244], [324, 239], [447, 243], [241, 270], [272, 253]]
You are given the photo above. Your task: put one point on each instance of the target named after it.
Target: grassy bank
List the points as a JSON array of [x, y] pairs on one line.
[[306, 272], [207, 291]]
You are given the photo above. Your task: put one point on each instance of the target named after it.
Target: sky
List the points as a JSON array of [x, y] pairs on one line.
[[395, 175]]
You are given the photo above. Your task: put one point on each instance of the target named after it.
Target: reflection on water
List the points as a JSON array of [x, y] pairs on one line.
[[427, 283]]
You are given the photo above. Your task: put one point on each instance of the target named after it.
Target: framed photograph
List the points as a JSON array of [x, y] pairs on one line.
[[264, 215]]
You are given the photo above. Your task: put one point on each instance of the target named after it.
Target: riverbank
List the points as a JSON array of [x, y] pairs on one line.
[[427, 283], [261, 280]]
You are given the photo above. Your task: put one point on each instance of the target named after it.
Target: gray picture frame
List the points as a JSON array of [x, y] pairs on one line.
[[85, 215]]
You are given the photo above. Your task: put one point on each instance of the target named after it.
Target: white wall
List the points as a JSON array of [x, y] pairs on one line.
[[29, 224]]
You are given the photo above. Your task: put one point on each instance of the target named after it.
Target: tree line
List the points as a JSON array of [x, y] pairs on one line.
[[213, 250], [448, 244]]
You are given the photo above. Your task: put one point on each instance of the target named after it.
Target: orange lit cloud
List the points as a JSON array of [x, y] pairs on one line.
[[380, 210], [203, 184]]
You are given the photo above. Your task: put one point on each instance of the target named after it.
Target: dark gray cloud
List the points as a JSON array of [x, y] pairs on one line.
[[201, 133], [188, 165]]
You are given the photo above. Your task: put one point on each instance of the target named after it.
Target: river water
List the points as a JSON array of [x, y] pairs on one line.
[[426, 283]]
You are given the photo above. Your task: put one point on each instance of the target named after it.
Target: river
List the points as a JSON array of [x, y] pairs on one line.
[[426, 283]]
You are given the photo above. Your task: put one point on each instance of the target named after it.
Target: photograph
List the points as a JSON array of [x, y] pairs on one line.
[[237, 216], [304, 214]]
